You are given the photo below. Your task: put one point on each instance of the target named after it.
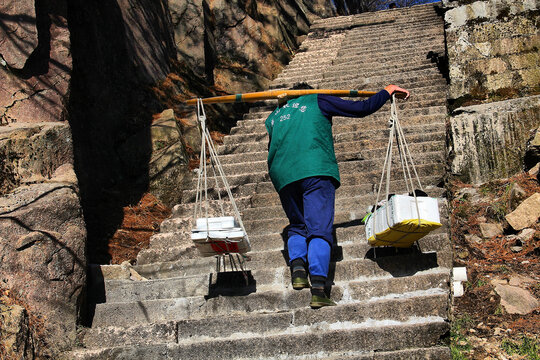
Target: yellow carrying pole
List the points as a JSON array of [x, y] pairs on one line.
[[274, 94]]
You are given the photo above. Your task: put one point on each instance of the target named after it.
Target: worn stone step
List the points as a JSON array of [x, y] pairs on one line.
[[347, 199], [420, 303], [267, 233], [356, 42], [269, 299], [372, 176], [267, 236], [347, 151], [367, 69], [417, 90], [347, 166], [267, 189], [349, 131], [355, 245], [403, 14], [390, 27], [262, 226], [205, 284], [371, 84], [422, 72], [408, 115], [366, 336], [344, 128], [379, 82]]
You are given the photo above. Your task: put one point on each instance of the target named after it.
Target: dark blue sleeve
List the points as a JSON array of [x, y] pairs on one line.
[[336, 106]]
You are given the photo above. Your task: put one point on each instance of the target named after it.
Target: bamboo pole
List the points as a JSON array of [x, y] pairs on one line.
[[275, 94]]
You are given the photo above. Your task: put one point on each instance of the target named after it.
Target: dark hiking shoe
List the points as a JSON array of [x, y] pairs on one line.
[[299, 283], [320, 301]]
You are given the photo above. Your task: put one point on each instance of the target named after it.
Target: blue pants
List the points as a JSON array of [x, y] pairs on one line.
[[309, 205]]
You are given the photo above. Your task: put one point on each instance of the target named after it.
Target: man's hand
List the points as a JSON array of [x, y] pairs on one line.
[[282, 99], [400, 93]]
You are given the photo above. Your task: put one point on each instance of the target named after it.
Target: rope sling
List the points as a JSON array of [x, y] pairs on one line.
[[216, 236], [406, 218]]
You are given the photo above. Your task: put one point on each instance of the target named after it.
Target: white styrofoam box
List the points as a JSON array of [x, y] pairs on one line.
[[460, 274], [458, 289], [400, 208], [216, 223], [232, 234]]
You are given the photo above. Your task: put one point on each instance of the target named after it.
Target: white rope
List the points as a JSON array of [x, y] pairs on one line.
[[207, 143], [406, 161]]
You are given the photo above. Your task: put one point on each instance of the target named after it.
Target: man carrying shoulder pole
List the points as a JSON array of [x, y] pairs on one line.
[[304, 171]]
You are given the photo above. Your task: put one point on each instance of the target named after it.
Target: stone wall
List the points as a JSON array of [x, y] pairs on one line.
[[494, 72], [493, 50], [489, 141]]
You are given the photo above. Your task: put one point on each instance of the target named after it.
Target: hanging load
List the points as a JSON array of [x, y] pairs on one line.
[[401, 220], [223, 235]]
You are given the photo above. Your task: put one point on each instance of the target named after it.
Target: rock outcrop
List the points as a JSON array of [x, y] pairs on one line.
[[15, 335], [43, 255], [241, 45], [489, 141], [35, 61], [42, 231]]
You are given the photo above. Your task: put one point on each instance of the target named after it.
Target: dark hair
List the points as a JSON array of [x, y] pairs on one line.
[[301, 86]]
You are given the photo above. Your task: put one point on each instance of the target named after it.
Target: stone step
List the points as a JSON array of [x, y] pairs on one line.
[[268, 205], [378, 133], [401, 33], [346, 151], [256, 299], [387, 64], [426, 99], [340, 337], [356, 41], [403, 14], [206, 284], [372, 84], [354, 245], [267, 233], [418, 91], [345, 167], [395, 25], [345, 128], [406, 110], [371, 177], [423, 301], [353, 212], [267, 189], [400, 77], [361, 69]]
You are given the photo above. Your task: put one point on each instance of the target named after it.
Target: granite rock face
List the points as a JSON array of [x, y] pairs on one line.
[[35, 61], [239, 45], [15, 334], [489, 141], [31, 153], [42, 255]]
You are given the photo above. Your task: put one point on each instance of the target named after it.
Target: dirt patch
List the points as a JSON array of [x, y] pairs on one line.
[[482, 328], [140, 222]]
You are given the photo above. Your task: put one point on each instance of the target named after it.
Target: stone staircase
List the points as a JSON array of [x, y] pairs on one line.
[[391, 306]]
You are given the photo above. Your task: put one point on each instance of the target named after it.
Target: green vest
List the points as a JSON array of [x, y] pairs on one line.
[[301, 143]]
